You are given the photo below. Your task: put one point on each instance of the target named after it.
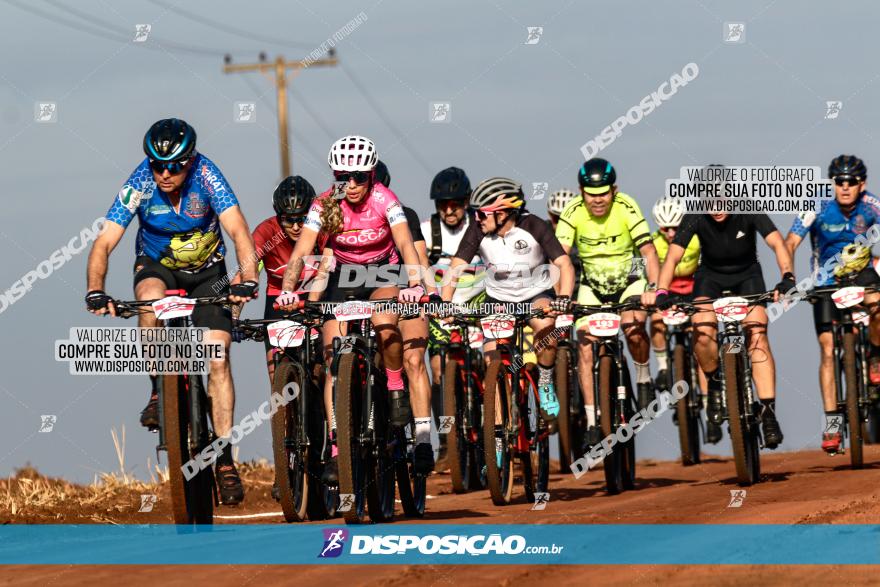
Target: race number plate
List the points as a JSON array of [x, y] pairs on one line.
[[286, 333], [475, 337], [173, 307], [674, 317], [498, 326], [564, 320], [349, 311], [732, 309], [861, 317], [847, 297], [604, 324]]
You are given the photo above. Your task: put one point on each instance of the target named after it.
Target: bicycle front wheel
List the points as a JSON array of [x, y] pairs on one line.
[[290, 445], [741, 437], [351, 460], [686, 408], [192, 500], [853, 413], [497, 401]]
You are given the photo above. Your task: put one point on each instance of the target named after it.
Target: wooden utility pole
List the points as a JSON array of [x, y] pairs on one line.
[[279, 67]]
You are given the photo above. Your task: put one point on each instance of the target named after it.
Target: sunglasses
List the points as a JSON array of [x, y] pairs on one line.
[[173, 167], [358, 176], [291, 220], [446, 204], [844, 179]]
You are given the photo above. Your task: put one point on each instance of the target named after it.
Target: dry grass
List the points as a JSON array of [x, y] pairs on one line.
[[28, 496]]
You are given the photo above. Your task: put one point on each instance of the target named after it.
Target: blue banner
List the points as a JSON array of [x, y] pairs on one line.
[[441, 544]]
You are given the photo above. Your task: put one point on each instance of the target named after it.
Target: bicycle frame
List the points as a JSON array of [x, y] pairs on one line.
[[472, 386], [728, 336]]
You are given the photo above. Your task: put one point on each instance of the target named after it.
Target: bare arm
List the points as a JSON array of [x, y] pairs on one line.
[[233, 222], [792, 241], [320, 282], [652, 261], [565, 287], [404, 243], [783, 256], [304, 246], [455, 268], [99, 256], [667, 271]]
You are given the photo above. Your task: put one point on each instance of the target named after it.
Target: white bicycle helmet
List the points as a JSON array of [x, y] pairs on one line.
[[559, 200], [353, 153], [668, 213]]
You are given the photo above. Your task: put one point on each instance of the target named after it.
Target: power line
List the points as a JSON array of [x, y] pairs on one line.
[[111, 34], [113, 28], [201, 19], [386, 120], [313, 115]]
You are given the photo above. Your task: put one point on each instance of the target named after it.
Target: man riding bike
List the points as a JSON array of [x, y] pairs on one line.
[[611, 236], [729, 262], [516, 246], [443, 231], [363, 223], [668, 214], [833, 231], [181, 200]]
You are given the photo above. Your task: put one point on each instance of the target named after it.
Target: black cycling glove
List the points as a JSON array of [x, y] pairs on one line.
[[248, 289], [787, 284], [560, 304], [97, 300]]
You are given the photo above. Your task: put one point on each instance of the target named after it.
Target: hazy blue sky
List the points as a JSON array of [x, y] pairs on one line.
[[517, 109]]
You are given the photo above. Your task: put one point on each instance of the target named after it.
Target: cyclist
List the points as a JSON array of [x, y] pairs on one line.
[[414, 330], [833, 230], [181, 200], [607, 229], [516, 246], [556, 203], [729, 262], [443, 231], [367, 227], [668, 214]]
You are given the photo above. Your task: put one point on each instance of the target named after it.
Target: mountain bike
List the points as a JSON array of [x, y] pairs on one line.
[[461, 368], [740, 405], [612, 390], [372, 452], [680, 346], [299, 428], [851, 349], [512, 423], [571, 422], [184, 426]]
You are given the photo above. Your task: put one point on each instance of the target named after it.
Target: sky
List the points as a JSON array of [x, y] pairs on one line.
[[516, 108]]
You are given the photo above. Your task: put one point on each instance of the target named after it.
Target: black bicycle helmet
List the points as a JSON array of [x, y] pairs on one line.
[[596, 176], [451, 184], [169, 140], [382, 175], [293, 196], [848, 165]]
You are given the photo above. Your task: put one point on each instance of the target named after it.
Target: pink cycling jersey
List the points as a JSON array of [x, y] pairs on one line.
[[366, 231]]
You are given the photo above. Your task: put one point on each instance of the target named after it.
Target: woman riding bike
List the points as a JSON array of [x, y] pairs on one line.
[[363, 223]]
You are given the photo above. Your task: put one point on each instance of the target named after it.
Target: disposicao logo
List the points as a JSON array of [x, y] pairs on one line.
[[334, 540]]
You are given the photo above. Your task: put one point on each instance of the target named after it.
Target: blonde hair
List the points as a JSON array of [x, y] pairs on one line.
[[331, 216]]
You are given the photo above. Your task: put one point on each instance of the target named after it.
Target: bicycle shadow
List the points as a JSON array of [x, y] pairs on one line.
[[431, 515]]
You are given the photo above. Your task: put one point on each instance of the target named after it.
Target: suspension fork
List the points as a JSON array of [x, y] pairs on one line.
[[837, 354]]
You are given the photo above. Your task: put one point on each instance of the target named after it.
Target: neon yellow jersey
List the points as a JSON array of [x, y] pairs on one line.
[[689, 262], [607, 246]]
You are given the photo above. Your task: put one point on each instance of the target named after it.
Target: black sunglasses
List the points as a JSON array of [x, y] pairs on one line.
[[843, 179], [291, 220], [173, 167], [357, 176]]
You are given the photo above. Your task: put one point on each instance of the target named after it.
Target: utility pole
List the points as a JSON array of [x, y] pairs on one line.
[[279, 67]]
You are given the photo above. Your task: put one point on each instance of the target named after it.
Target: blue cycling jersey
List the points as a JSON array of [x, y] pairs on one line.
[[832, 233], [186, 239]]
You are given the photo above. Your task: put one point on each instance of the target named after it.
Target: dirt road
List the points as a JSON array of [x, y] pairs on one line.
[[797, 488]]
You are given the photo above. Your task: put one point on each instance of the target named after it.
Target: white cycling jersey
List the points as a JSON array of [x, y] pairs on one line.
[[517, 264], [472, 282]]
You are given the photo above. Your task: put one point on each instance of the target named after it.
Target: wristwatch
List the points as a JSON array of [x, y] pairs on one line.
[[651, 287]]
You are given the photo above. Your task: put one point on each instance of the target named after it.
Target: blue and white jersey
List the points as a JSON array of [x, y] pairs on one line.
[[187, 239], [832, 233]]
